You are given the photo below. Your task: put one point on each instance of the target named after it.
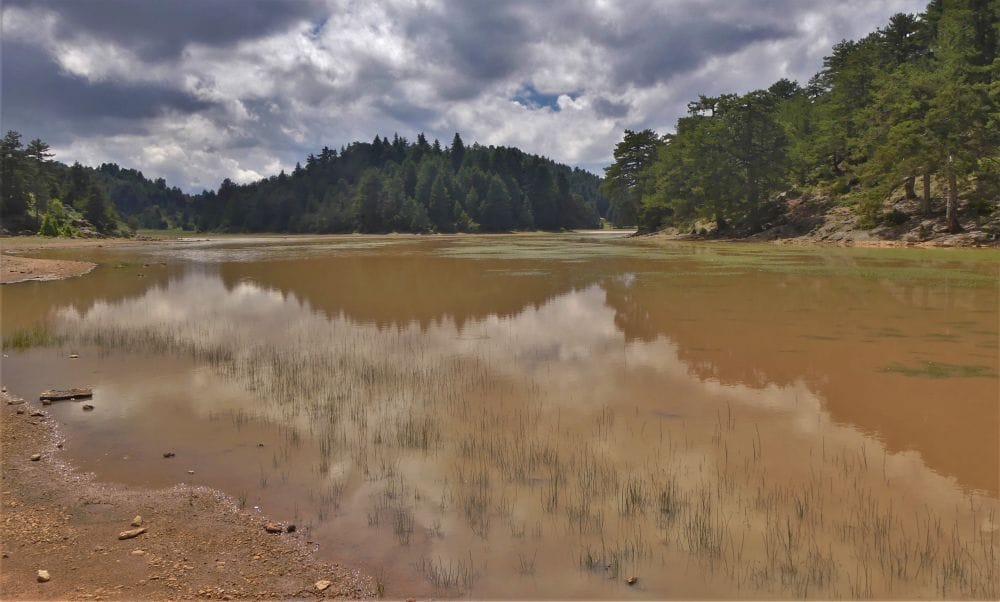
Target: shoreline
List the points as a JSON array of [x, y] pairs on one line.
[[17, 268], [198, 542]]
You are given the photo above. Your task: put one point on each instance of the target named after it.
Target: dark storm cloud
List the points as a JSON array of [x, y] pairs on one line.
[[160, 29], [38, 98], [654, 52], [607, 108], [481, 41]]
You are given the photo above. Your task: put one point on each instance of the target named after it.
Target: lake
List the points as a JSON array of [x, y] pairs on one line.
[[551, 415]]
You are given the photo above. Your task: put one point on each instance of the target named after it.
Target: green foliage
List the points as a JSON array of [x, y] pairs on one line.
[[725, 163], [380, 186], [628, 180], [385, 186], [916, 99], [31, 182]]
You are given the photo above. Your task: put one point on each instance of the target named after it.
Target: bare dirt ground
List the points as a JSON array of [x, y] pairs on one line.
[[14, 268], [817, 221], [197, 543]]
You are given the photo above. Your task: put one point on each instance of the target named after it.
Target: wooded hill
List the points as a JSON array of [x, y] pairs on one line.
[[381, 186], [915, 100]]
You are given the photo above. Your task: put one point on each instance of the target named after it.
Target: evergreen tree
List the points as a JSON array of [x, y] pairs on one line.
[[626, 179], [495, 213]]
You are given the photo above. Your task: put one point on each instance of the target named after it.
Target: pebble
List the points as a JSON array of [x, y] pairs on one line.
[[290, 529], [190, 472], [137, 521], [322, 584], [43, 576], [632, 580], [20, 410], [272, 528], [36, 457], [169, 454], [131, 533], [73, 356], [138, 552], [87, 407]]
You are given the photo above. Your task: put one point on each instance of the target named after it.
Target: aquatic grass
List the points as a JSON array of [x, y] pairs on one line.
[[422, 433], [941, 370], [39, 335]]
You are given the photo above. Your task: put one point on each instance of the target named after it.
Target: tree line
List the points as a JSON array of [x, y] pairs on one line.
[[381, 186], [40, 195], [386, 186], [916, 99]]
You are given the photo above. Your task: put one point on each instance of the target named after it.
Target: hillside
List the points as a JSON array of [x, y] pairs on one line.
[[380, 186], [898, 134]]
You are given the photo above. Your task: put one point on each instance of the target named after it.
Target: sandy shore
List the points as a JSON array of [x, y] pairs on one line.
[[197, 543], [15, 268]]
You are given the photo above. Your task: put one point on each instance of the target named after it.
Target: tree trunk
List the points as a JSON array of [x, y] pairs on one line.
[[908, 186], [927, 193], [951, 211]]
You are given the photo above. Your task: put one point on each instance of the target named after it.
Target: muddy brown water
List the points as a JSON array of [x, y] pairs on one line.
[[547, 416]]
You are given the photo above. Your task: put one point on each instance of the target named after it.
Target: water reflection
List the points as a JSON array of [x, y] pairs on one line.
[[522, 427]]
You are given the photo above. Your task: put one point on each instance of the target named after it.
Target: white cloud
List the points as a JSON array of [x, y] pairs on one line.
[[264, 100]]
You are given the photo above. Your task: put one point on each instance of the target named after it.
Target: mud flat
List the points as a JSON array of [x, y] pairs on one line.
[[196, 543], [15, 268]]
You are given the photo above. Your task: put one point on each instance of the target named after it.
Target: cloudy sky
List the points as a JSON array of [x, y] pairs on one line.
[[199, 90]]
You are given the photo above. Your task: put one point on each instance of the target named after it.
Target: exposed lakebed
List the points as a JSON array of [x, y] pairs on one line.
[[550, 415]]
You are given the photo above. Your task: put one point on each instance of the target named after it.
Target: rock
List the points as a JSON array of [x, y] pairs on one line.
[[260, 445], [73, 356], [131, 533], [632, 580], [59, 445], [60, 394], [137, 521], [43, 576], [273, 528], [290, 529], [138, 552], [169, 454], [37, 414], [322, 584], [20, 410], [190, 472], [36, 457], [46, 402], [87, 407]]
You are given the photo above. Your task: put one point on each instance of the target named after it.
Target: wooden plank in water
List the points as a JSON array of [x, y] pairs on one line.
[[54, 395]]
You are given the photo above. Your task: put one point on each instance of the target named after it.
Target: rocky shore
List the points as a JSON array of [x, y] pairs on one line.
[[66, 536]]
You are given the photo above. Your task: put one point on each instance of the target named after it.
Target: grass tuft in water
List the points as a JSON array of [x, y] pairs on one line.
[[27, 338], [942, 370]]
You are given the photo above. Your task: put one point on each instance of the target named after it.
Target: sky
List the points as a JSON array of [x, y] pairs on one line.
[[195, 91]]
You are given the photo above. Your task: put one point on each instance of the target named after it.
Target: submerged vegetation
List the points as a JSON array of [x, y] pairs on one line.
[[942, 370]]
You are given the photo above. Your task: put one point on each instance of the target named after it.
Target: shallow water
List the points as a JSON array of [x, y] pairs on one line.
[[548, 415]]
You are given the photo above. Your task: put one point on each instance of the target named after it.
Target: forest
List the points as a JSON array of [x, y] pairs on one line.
[[382, 186], [916, 99]]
